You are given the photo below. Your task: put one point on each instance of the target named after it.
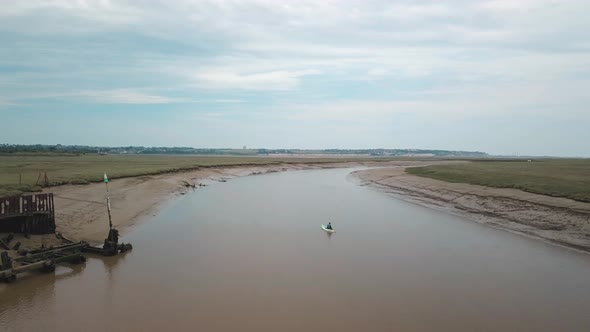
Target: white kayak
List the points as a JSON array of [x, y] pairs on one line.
[[327, 230]]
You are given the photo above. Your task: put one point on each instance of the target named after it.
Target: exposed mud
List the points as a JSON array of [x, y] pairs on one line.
[[557, 220]]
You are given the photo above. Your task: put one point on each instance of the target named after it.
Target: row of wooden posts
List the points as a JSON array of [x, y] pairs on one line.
[[42, 177], [29, 214], [43, 260]]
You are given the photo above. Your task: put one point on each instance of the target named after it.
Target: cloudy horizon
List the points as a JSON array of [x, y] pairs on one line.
[[503, 77]]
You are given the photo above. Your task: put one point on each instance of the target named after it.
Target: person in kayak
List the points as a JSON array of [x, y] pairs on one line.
[[329, 225]]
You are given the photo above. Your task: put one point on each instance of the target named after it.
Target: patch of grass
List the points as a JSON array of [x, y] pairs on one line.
[[15, 189], [568, 178], [82, 169]]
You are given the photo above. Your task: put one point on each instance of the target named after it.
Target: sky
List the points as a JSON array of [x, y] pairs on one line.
[[500, 76]]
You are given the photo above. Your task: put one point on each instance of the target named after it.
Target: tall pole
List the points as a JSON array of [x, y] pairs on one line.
[[106, 183]]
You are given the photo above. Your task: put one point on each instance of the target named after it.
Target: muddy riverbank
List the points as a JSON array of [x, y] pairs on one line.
[[249, 255], [557, 220], [81, 209]]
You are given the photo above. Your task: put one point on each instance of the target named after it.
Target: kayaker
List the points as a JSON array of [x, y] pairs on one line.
[[329, 225]]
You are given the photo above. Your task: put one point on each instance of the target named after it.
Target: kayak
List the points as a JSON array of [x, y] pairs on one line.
[[327, 230]]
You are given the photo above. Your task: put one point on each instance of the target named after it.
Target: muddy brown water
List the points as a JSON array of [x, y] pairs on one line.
[[249, 255]]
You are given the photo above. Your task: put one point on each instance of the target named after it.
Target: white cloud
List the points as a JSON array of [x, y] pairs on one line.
[[273, 80], [417, 11], [364, 61], [6, 103], [113, 96], [96, 11], [122, 96], [519, 6], [504, 101]]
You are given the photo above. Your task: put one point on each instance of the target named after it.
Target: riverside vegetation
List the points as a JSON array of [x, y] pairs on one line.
[[568, 178], [26, 173]]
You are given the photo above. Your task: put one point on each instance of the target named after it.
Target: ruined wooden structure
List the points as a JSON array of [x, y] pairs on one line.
[[35, 214], [28, 214], [43, 260]]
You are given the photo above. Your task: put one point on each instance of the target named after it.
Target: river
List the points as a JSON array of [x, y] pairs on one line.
[[249, 255]]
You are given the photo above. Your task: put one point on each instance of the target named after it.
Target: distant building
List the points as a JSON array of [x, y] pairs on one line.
[[244, 147]]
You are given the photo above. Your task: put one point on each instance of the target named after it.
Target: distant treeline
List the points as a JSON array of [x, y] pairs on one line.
[[82, 149]]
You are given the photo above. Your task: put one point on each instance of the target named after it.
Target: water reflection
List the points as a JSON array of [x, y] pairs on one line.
[[33, 289]]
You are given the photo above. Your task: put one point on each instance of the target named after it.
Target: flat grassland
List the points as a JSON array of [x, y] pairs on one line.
[[568, 178], [29, 170]]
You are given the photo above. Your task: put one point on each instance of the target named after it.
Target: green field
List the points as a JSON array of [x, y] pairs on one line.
[[554, 177], [64, 169]]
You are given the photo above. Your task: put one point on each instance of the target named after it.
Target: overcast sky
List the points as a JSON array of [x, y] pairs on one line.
[[501, 76]]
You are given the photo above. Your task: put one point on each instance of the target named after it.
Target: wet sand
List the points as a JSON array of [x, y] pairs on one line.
[[557, 220]]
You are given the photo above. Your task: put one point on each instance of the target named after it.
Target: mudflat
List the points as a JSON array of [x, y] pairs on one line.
[[557, 220]]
